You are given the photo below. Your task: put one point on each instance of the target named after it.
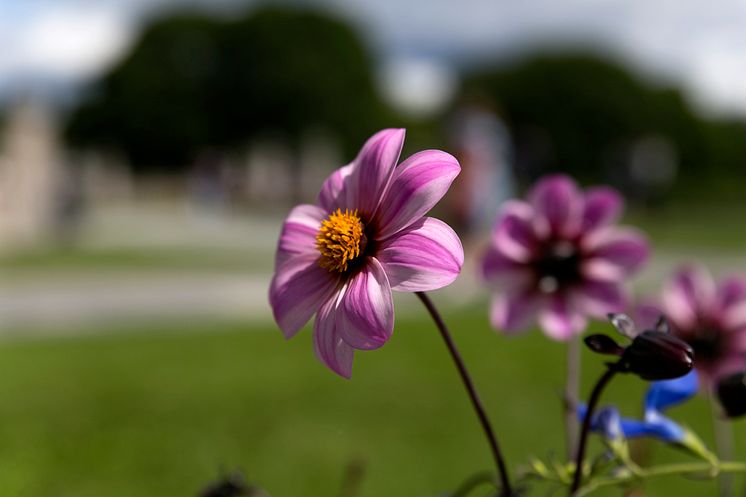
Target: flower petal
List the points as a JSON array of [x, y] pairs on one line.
[[559, 321], [514, 312], [666, 393], [298, 235], [417, 185], [558, 200], [614, 253], [598, 298], [425, 256], [731, 291], [372, 171], [328, 344], [366, 320], [514, 233], [299, 287], [503, 272], [603, 206], [333, 194], [687, 295]]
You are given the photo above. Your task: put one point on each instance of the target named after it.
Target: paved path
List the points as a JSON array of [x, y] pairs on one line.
[[69, 300], [65, 302]]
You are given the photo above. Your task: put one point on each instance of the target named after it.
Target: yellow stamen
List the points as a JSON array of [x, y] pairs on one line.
[[340, 240]]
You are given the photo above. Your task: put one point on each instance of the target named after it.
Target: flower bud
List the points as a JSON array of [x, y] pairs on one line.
[[653, 355], [731, 392]]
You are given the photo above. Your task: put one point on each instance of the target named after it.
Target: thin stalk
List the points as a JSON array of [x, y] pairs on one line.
[[592, 403], [572, 395], [723, 446], [473, 395], [665, 470]]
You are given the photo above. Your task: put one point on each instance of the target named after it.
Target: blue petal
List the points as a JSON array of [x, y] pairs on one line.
[[664, 394], [663, 427], [605, 421], [655, 425]]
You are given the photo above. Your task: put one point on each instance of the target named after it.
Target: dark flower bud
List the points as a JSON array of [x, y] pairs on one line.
[[654, 356], [603, 344], [731, 392]]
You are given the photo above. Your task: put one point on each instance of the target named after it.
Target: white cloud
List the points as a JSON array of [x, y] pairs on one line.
[[699, 44], [64, 43]]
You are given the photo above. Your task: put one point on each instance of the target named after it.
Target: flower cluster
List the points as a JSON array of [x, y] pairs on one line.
[[557, 258]]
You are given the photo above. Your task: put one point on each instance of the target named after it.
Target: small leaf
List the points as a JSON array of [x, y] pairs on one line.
[[603, 344]]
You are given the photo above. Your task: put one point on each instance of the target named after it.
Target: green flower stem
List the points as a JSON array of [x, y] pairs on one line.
[[701, 468], [592, 403], [476, 402]]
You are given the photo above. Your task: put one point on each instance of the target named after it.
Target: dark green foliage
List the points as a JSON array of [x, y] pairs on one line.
[[194, 82], [581, 114]]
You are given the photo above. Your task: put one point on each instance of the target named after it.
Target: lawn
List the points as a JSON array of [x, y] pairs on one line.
[[159, 411]]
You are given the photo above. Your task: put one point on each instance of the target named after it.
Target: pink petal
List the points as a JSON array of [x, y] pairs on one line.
[[366, 320], [687, 295], [558, 200], [417, 185], [647, 314], [614, 253], [333, 194], [328, 344], [598, 298], [298, 235], [514, 233], [425, 256], [372, 171], [514, 312], [731, 291], [503, 272], [299, 287], [561, 322], [603, 206]]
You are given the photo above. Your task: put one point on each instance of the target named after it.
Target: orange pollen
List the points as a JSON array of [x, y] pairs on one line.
[[340, 240]]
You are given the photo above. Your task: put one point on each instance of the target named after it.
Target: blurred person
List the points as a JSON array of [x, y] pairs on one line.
[[483, 145]]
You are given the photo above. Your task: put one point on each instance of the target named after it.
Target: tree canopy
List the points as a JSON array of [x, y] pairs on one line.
[[193, 82]]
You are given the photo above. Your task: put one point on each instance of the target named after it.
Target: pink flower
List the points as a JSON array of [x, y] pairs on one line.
[[366, 236], [709, 316], [559, 257]]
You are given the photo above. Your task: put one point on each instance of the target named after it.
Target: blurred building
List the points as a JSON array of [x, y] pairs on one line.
[[30, 171]]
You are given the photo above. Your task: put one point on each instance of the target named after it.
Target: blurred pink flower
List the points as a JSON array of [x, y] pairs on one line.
[[366, 236], [559, 257], [709, 316]]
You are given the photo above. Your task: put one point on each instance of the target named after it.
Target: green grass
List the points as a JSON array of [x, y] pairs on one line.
[[158, 412], [693, 226], [43, 261]]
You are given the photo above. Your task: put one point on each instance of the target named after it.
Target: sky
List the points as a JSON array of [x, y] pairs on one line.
[[697, 45]]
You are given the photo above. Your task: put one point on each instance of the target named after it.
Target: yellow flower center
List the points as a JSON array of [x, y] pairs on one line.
[[340, 240]]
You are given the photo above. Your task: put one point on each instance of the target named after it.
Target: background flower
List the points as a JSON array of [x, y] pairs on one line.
[[559, 257], [367, 235], [709, 315]]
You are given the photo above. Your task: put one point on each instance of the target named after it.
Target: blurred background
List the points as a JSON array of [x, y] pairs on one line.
[[150, 149]]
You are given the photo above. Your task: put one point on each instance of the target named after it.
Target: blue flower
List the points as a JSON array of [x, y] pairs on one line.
[[660, 396]]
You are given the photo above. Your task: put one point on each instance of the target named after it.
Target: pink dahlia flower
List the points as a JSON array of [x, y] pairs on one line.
[[709, 316], [366, 236], [559, 257]]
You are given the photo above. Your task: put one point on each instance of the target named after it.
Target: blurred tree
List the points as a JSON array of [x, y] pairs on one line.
[[584, 115], [193, 83]]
